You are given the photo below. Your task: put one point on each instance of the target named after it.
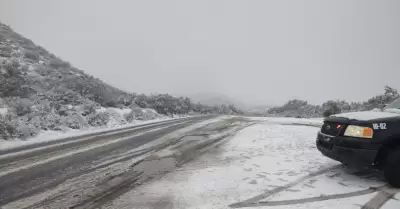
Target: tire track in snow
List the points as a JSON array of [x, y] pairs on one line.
[[254, 200], [384, 195], [315, 199]]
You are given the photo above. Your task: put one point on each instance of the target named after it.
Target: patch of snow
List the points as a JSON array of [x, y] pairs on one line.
[[32, 68], [393, 110], [256, 161], [101, 109], [121, 112], [392, 204], [148, 110], [317, 122], [3, 111], [366, 115]]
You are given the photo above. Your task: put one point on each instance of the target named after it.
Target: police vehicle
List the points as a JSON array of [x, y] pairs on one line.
[[365, 139]]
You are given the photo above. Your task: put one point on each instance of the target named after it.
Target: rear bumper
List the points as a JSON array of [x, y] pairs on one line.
[[346, 155]]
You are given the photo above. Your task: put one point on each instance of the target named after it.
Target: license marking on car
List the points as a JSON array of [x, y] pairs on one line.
[[379, 126]]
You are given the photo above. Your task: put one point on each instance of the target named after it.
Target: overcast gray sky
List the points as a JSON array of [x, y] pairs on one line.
[[258, 51]]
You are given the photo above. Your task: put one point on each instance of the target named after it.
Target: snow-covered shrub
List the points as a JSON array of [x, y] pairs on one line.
[[142, 101], [34, 56], [66, 110], [106, 96], [11, 66], [150, 114], [47, 121], [89, 108], [5, 51], [9, 85], [26, 131], [2, 37], [135, 114], [98, 119], [58, 63], [8, 126], [75, 121], [21, 106], [43, 70], [129, 117], [115, 118]]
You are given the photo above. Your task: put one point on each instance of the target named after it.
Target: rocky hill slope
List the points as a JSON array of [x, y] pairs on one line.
[[39, 91]]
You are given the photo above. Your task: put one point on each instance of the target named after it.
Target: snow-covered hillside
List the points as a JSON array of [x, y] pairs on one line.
[[40, 92]]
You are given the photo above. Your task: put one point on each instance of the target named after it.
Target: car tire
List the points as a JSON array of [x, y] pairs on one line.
[[391, 170]]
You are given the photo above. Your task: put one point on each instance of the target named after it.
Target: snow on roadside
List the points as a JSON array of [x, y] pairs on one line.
[[259, 158], [317, 122], [46, 136]]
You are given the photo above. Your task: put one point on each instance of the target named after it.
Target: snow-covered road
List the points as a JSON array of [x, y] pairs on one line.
[[40, 171], [265, 165]]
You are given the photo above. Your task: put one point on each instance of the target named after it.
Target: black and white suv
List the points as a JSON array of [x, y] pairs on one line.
[[366, 139]]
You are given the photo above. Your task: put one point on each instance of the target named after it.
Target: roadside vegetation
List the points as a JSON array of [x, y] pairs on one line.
[[301, 108]]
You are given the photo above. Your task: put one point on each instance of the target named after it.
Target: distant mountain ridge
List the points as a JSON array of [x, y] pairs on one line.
[[212, 98], [222, 99]]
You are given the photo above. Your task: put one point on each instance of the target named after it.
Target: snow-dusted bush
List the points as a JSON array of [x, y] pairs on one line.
[[43, 70], [58, 63], [25, 131], [7, 127], [129, 117], [22, 106], [137, 114], [5, 51], [75, 121], [2, 37], [64, 110], [69, 97], [115, 117], [34, 56], [87, 109], [11, 66], [98, 119], [150, 113], [142, 101], [48, 121], [12, 127]]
